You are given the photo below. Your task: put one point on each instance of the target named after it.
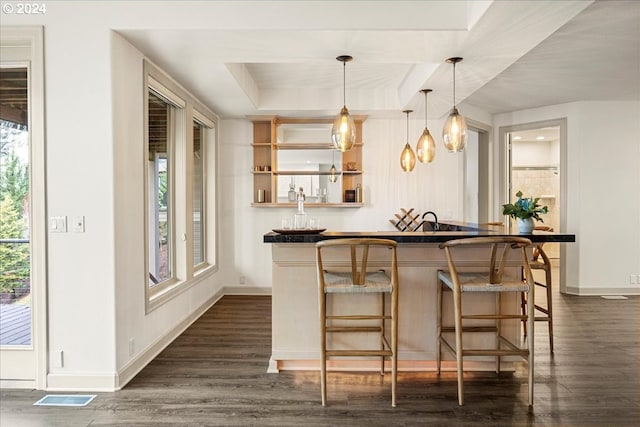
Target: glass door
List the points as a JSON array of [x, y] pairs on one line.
[[15, 248], [23, 361]]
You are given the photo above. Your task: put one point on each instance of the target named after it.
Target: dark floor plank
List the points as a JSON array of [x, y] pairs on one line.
[[214, 374]]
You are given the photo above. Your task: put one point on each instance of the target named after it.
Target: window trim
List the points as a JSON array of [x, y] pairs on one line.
[[204, 133], [189, 110]]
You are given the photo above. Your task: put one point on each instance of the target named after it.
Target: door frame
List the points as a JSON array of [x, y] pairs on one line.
[[505, 174], [27, 366], [485, 171]]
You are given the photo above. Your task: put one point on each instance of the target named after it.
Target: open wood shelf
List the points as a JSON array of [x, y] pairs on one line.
[[266, 146]]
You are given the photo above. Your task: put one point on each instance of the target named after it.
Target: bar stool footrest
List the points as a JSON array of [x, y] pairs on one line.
[[353, 329], [362, 353]]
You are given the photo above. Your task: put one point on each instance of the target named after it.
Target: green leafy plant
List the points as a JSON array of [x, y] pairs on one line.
[[524, 208], [14, 257]]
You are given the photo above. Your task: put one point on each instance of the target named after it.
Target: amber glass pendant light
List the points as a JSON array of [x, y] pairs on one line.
[[426, 147], [333, 177], [343, 133], [454, 134], [407, 157]]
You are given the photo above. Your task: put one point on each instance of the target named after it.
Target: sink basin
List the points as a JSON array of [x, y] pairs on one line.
[[430, 226]]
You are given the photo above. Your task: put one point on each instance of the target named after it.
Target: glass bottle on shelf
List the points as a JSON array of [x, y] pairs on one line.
[[300, 218], [292, 196], [358, 194]]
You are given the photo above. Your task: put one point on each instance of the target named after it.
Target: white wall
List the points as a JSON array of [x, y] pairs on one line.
[[79, 158], [386, 189], [603, 191]]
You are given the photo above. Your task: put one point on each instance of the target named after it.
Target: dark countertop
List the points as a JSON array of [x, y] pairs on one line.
[[469, 230]]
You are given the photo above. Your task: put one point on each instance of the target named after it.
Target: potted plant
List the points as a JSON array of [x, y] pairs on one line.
[[525, 210]]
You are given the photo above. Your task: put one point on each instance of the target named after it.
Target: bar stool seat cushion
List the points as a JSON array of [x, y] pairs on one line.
[[478, 282], [375, 282]]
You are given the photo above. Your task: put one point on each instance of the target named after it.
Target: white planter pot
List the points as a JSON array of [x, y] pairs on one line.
[[525, 225]]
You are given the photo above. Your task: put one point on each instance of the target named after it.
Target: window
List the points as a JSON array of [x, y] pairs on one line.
[[160, 176], [179, 188], [198, 195]]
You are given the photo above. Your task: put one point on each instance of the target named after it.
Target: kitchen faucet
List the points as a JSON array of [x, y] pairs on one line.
[[436, 225]]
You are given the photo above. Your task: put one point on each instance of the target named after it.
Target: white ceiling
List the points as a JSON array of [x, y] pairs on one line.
[[278, 57], [544, 134]]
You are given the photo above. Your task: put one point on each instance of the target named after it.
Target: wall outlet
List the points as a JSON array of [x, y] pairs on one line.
[[132, 347], [242, 280], [78, 224], [57, 359], [633, 279]]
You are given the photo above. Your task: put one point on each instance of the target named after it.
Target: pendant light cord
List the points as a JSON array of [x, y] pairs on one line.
[[407, 127], [454, 85], [425, 109], [344, 84]]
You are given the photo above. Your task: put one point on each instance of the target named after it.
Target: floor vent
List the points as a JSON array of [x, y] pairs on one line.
[[614, 297], [65, 400]]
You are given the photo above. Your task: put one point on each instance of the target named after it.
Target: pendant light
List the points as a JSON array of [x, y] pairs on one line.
[[333, 177], [454, 134], [343, 133], [426, 148], [407, 157]]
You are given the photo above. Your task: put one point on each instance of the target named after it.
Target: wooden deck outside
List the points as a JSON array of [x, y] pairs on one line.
[[15, 324]]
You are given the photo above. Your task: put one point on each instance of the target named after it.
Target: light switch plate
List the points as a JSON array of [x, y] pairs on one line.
[[58, 224]]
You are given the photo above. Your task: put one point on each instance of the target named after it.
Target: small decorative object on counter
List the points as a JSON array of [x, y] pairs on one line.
[[358, 194], [406, 220], [525, 210], [300, 218]]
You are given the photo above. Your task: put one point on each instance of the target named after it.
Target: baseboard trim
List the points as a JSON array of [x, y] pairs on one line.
[[359, 365], [130, 370], [19, 384], [246, 290], [572, 290], [97, 382]]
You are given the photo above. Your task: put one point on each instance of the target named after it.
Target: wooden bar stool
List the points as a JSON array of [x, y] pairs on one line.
[[545, 264], [359, 276], [493, 280]]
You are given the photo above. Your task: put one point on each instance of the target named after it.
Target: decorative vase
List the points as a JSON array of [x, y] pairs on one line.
[[525, 225]]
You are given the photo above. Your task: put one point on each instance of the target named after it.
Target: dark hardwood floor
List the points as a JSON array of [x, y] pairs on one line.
[[215, 374]]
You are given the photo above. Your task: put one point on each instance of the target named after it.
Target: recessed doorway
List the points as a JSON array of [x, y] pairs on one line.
[[547, 158], [535, 170]]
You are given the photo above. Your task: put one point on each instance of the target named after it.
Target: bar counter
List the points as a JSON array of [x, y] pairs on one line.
[[295, 321]]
